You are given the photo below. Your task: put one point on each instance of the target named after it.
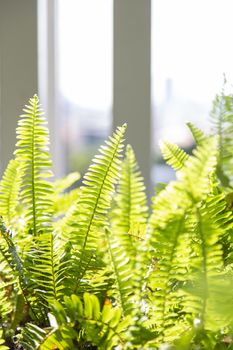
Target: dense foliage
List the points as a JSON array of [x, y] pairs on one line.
[[95, 268]]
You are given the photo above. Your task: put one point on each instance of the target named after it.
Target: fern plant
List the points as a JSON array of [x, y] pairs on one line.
[[96, 268], [222, 117]]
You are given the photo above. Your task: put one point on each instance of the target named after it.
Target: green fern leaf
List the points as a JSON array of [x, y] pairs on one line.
[[170, 231], [9, 193], [222, 120], [9, 252], [17, 273], [171, 246], [90, 214], [76, 324], [33, 157], [48, 271], [122, 261], [64, 183], [96, 194], [173, 155], [6, 306], [130, 201], [42, 257], [199, 169], [198, 134], [33, 337], [206, 268], [63, 203], [193, 184], [63, 199]]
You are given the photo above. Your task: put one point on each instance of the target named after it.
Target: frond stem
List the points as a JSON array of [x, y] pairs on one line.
[[33, 172]]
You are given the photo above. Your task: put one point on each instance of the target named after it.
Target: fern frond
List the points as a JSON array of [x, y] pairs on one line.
[[173, 155], [199, 169], [61, 185], [16, 271], [62, 204], [33, 157], [9, 193], [209, 276], [77, 323], [6, 306], [193, 184], [130, 201], [96, 194], [120, 252], [76, 273], [34, 338], [11, 256], [8, 280], [63, 199], [48, 270], [86, 226], [197, 133], [222, 120], [171, 247], [206, 266], [170, 233]]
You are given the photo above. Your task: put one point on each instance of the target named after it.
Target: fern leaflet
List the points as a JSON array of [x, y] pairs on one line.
[[173, 155], [198, 134]]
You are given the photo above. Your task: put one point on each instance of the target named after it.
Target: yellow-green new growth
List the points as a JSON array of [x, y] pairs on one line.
[[32, 154], [130, 210]]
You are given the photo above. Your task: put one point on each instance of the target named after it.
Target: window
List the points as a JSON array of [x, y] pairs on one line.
[[191, 49], [84, 77]]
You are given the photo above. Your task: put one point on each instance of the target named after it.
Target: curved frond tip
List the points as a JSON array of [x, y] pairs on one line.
[[173, 155]]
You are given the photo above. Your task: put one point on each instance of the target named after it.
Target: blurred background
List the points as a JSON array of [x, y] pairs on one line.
[[98, 63]]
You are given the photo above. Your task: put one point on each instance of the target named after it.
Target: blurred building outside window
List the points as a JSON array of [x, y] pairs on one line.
[[85, 77], [191, 49]]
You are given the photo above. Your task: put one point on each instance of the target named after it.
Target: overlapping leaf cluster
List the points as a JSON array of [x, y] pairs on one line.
[[95, 268]]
